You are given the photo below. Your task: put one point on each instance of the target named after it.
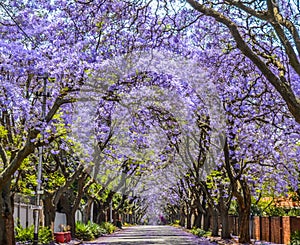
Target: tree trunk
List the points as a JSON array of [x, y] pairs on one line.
[[244, 217], [86, 214], [215, 223], [70, 202], [101, 217], [188, 219], [244, 227], [71, 221], [206, 224], [7, 235], [242, 193], [198, 218], [66, 207], [225, 225], [49, 211], [182, 217], [223, 210]]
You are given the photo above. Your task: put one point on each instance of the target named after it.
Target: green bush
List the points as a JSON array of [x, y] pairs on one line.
[[45, 235], [26, 234], [294, 212], [199, 232], [96, 229], [295, 238], [90, 231], [109, 227], [84, 232]]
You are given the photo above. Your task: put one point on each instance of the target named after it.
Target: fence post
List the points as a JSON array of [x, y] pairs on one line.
[[270, 228], [281, 230], [286, 229], [260, 228], [19, 213], [27, 211]]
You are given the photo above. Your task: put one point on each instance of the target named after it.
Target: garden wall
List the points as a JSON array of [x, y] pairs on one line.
[[275, 229], [23, 213], [270, 229]]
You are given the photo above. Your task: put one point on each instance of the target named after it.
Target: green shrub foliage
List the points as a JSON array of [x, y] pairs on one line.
[[90, 231], [199, 232], [109, 227], [295, 238], [84, 232], [96, 229], [26, 234]]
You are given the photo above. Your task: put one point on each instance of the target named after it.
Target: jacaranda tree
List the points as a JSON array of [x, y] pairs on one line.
[[46, 47], [267, 33]]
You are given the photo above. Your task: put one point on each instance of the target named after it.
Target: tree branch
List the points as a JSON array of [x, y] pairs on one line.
[[276, 18], [279, 83], [3, 155]]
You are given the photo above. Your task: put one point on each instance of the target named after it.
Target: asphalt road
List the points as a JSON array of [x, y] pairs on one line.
[[149, 235]]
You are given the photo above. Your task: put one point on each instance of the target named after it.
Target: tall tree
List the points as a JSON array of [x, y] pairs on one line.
[[267, 33]]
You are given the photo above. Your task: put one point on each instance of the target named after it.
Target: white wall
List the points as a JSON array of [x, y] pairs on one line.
[[23, 213]]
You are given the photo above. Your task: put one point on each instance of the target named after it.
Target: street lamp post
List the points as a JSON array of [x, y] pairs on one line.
[[37, 208]]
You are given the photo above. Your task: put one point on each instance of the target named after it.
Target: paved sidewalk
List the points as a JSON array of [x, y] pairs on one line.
[[150, 235]]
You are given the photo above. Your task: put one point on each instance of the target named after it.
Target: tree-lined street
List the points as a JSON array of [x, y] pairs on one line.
[[148, 112]]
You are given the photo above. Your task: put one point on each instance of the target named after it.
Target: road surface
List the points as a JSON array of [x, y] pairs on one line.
[[149, 235]]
